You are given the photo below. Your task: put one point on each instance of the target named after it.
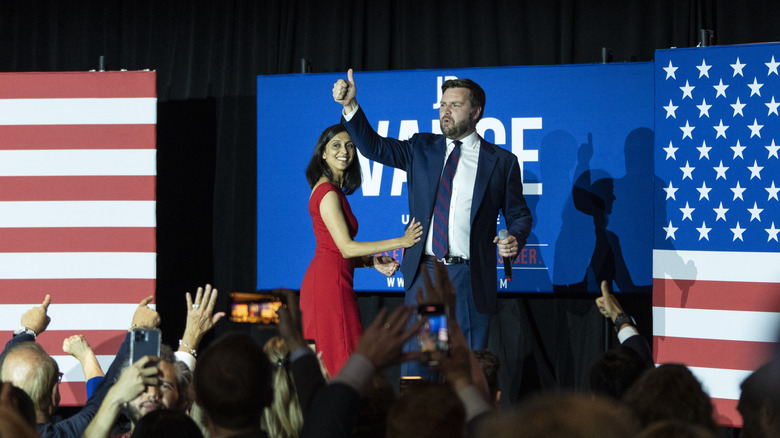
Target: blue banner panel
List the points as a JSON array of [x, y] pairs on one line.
[[582, 134]]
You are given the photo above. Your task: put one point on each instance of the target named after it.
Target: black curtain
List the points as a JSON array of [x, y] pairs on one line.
[[208, 53]]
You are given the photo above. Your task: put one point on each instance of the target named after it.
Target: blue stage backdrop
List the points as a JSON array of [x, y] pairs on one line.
[[582, 134]]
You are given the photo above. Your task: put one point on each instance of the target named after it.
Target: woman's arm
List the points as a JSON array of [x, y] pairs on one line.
[[333, 216]]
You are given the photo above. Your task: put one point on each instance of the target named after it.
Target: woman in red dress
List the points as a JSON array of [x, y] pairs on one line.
[[328, 301]]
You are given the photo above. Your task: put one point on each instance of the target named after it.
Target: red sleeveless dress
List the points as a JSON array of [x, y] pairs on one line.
[[328, 302]]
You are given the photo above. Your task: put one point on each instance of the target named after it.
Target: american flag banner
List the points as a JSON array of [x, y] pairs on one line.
[[716, 256], [77, 207]]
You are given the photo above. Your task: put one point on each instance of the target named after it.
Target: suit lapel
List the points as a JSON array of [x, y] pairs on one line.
[[485, 165]]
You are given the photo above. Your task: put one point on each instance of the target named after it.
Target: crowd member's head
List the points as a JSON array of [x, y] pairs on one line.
[[616, 370], [284, 417], [759, 402], [563, 415], [427, 409], [372, 419], [675, 429], [184, 386], [172, 392], [27, 365], [490, 365], [23, 404], [331, 138], [164, 423], [12, 425], [233, 384], [670, 392], [17, 412]]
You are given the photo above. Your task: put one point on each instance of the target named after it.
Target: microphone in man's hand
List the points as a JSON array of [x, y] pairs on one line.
[[504, 234]]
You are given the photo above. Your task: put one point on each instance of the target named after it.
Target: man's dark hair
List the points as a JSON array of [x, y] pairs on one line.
[[233, 382], [476, 93], [562, 414], [318, 167], [616, 370], [372, 419], [763, 385], [670, 392], [164, 423], [759, 403], [428, 409]]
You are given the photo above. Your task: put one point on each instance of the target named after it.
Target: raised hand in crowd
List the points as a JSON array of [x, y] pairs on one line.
[[131, 383], [607, 303], [460, 366], [145, 316], [36, 319], [609, 306], [78, 347], [200, 318], [382, 341]]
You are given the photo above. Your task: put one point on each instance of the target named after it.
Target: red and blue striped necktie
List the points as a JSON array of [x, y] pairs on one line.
[[441, 210]]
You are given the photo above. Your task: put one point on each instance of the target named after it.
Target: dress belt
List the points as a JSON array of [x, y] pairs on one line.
[[447, 260]]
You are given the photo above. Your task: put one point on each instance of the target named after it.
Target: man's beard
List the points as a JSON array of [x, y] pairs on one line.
[[455, 131]]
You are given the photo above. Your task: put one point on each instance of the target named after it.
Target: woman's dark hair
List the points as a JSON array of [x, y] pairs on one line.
[[318, 167]]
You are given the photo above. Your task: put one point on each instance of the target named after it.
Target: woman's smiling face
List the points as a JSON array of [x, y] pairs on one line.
[[339, 153]]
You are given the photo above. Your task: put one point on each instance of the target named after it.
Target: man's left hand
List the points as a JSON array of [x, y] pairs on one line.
[[507, 248], [386, 265]]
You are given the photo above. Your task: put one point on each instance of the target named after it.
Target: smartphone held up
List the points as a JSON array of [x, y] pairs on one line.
[[144, 342], [433, 335]]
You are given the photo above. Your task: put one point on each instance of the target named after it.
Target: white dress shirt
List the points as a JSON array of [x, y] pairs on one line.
[[462, 194]]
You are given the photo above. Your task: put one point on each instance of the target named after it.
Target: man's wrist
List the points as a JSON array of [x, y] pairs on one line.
[[350, 107], [25, 331], [622, 319], [349, 111]]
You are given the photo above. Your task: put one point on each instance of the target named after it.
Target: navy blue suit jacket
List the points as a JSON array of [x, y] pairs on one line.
[[498, 187]]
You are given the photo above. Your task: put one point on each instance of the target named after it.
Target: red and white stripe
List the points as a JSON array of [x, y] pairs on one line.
[[718, 313], [77, 207]]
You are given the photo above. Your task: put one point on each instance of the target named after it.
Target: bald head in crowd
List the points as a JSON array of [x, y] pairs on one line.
[[27, 366]]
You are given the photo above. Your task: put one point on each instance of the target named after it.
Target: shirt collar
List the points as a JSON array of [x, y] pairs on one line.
[[471, 141]]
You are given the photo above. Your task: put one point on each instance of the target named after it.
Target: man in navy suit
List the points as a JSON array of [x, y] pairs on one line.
[[487, 180]]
